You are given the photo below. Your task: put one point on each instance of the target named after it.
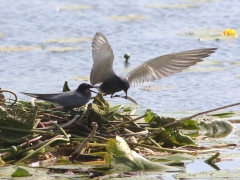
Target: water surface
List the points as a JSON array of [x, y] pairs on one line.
[[29, 23]]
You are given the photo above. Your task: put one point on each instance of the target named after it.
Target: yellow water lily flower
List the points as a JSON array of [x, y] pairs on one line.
[[229, 32]]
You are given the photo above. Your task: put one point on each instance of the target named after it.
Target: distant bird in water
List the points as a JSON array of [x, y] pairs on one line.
[[68, 99], [159, 67]]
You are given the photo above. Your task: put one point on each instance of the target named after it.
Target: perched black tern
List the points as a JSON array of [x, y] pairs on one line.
[[68, 99], [159, 67]]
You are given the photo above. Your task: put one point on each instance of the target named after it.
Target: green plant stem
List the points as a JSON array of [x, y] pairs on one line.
[[96, 139], [57, 138], [63, 125], [212, 158], [164, 149], [61, 129], [154, 142], [16, 140], [27, 130], [26, 150], [4, 150], [126, 122], [97, 145]]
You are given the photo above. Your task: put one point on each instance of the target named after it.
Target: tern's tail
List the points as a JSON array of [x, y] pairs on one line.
[[46, 97]]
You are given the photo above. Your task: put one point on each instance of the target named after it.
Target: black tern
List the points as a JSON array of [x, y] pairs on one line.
[[153, 69], [68, 99]]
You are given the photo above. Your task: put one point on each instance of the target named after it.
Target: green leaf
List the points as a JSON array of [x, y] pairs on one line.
[[126, 158], [190, 124], [20, 118], [63, 160], [217, 128], [182, 139], [115, 108], [21, 172], [112, 148], [127, 109], [65, 87], [150, 115], [223, 115], [158, 121]]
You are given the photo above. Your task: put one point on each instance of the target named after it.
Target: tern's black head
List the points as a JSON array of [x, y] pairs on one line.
[[84, 87]]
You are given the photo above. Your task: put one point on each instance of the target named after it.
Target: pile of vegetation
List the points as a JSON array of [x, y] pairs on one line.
[[106, 137]]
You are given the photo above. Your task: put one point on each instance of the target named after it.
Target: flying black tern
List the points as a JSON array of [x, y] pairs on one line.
[[68, 99], [159, 67]]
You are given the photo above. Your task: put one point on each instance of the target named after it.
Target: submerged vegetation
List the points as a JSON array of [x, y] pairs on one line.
[[106, 138]]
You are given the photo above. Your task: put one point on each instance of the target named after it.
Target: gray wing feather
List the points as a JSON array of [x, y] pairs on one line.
[[167, 65], [103, 57]]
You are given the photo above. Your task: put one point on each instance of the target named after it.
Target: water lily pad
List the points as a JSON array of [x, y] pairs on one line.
[[132, 17], [221, 174], [210, 34], [74, 7], [206, 69], [217, 38], [172, 6], [6, 172], [202, 1], [209, 62], [81, 78], [68, 40], [127, 69], [238, 76], [64, 49], [71, 166], [156, 88], [202, 32], [174, 157], [19, 48], [235, 63]]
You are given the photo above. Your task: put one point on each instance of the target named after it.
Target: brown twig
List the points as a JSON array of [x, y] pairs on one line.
[[83, 144]]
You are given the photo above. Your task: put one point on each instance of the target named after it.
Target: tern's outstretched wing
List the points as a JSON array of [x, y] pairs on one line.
[[167, 65], [103, 57]]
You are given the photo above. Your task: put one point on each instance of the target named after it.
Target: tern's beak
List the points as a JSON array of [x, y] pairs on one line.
[[93, 91], [94, 87]]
